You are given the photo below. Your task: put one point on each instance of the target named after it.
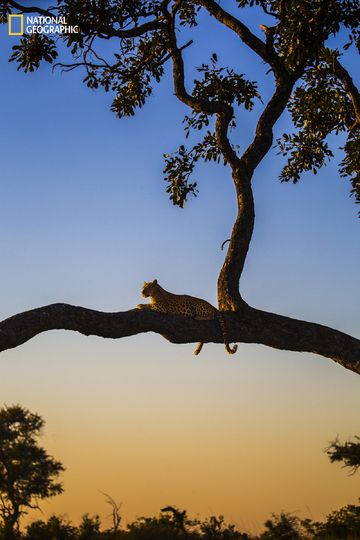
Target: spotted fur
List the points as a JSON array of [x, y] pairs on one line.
[[183, 304]]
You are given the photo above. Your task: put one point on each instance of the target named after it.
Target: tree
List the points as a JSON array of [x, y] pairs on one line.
[[27, 472], [215, 528], [160, 527], [55, 527], [309, 80], [283, 526], [340, 524], [115, 513], [347, 452], [89, 528]]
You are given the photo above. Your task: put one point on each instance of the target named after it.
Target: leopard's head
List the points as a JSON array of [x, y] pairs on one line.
[[149, 288]]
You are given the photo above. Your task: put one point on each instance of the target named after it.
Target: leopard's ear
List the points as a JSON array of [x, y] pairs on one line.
[[155, 282]]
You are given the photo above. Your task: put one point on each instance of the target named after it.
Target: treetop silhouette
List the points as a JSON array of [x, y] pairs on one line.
[[27, 473]]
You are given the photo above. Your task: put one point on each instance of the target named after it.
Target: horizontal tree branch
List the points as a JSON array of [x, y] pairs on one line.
[[135, 31], [31, 9], [248, 326]]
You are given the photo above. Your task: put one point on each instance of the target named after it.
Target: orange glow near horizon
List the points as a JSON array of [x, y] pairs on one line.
[[241, 438]]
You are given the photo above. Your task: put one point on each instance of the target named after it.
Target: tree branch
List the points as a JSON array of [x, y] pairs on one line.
[[268, 54], [343, 75], [248, 326], [31, 9], [221, 132], [228, 283], [135, 31], [196, 104], [263, 140], [229, 297]]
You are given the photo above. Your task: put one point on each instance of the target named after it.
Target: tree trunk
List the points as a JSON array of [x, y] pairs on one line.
[[9, 528], [229, 297]]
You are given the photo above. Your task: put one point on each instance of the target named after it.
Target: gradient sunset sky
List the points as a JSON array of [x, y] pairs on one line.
[[84, 219]]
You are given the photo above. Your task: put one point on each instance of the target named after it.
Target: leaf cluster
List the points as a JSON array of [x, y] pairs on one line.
[[320, 106], [139, 63], [188, 11], [220, 85], [224, 85], [129, 73], [4, 12], [350, 165], [320, 103], [178, 169], [308, 152], [102, 19], [130, 77], [32, 50], [180, 165], [348, 453], [301, 27]]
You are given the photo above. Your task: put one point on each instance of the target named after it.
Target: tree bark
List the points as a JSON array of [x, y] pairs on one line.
[[248, 325], [9, 528], [229, 297]]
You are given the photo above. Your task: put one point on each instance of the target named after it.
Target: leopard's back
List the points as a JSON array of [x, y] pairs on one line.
[[163, 301], [190, 306], [177, 304]]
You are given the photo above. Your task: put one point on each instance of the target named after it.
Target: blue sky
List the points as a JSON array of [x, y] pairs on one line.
[[84, 219]]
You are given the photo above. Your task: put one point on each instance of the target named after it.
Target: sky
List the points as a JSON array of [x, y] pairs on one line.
[[84, 219]]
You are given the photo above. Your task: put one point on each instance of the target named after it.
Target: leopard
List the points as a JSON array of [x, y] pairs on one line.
[[163, 301]]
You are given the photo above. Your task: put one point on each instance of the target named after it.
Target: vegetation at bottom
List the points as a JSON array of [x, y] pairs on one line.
[[173, 524], [28, 474]]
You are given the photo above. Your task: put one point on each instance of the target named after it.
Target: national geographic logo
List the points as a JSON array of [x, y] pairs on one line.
[[15, 25], [19, 25]]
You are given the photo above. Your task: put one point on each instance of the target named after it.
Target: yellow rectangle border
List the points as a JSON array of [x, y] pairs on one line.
[[10, 19]]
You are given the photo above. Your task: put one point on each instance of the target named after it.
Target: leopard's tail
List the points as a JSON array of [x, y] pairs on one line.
[[198, 348], [230, 350]]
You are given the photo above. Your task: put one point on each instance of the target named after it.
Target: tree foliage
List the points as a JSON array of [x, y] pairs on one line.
[[27, 473], [283, 526], [321, 103], [342, 524], [348, 453]]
